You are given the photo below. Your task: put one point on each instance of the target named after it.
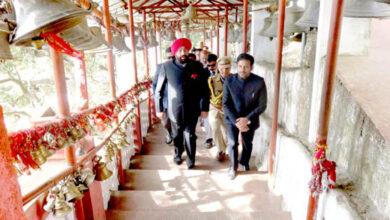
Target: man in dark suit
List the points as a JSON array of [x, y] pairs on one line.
[[165, 120], [188, 98], [244, 99]]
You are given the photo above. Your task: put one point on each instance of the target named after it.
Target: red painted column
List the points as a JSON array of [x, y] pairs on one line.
[[327, 90], [110, 56], [93, 199], [133, 54], [11, 205], [226, 31], [278, 68], [245, 27], [146, 61], [63, 107]]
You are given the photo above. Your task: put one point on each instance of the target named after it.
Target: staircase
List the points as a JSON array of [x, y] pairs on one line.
[[156, 188]]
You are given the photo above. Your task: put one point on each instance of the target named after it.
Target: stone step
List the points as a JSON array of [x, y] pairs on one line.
[[165, 162], [194, 201], [188, 180], [182, 215]]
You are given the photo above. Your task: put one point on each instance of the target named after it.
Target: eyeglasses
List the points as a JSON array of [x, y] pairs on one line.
[[210, 65]]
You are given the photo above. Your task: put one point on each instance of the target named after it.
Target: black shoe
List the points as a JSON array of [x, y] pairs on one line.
[[190, 164], [168, 139], [177, 160]]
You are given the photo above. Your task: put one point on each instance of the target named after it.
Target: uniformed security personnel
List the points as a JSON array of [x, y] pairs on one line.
[[216, 115], [244, 99], [188, 98]]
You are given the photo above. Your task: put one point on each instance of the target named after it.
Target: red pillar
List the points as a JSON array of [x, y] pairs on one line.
[[278, 68], [133, 54], [245, 27], [327, 90], [11, 205], [146, 61], [226, 30], [110, 60], [63, 107]]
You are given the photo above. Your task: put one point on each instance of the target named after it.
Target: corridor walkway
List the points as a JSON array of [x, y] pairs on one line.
[[156, 188]]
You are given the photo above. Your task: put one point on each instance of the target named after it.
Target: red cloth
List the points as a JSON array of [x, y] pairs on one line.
[[181, 42]]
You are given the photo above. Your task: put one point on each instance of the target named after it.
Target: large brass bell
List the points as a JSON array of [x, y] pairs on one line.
[[152, 39], [383, 1], [293, 13], [61, 207], [101, 171], [5, 52], [119, 44], [366, 9], [310, 17], [39, 16], [266, 24], [78, 36]]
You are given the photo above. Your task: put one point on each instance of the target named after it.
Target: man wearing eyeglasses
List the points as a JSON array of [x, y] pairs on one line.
[[212, 64]]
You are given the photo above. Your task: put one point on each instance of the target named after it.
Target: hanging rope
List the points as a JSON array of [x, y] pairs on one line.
[[59, 45]]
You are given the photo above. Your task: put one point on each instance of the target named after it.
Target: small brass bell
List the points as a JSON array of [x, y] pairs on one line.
[[36, 17], [87, 176], [119, 44], [71, 192], [101, 171], [44, 151], [366, 9], [38, 157], [61, 207]]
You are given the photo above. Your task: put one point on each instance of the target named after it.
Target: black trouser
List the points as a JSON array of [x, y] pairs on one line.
[[167, 123], [232, 138], [185, 131]]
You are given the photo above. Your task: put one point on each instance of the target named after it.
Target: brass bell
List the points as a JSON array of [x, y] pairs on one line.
[[101, 171], [87, 177], [38, 157], [266, 24], [140, 43], [61, 207], [366, 9], [383, 1], [152, 39], [119, 44], [78, 35], [293, 13], [5, 52], [44, 151], [71, 191], [36, 17], [310, 17], [124, 19]]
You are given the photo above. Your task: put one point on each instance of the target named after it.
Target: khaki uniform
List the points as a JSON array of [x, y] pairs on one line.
[[216, 116]]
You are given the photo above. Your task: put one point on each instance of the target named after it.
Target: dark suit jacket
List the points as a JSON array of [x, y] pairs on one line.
[[188, 92], [244, 98], [159, 69]]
